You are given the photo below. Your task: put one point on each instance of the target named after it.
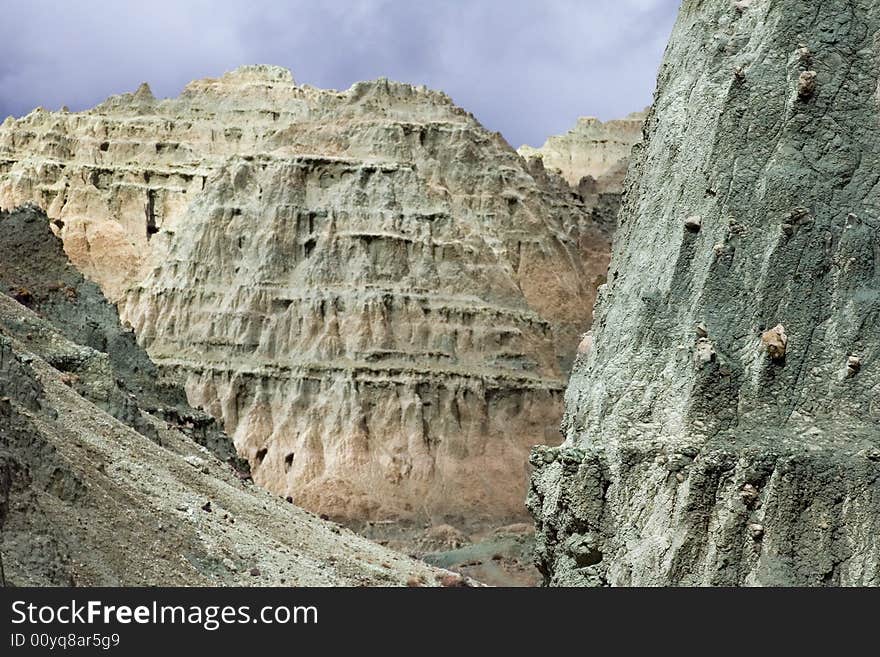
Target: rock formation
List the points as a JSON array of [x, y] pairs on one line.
[[98, 488], [717, 432], [379, 298], [35, 271], [593, 158], [592, 150]]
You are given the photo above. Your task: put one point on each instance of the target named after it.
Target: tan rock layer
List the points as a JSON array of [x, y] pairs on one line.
[[597, 151], [380, 298]]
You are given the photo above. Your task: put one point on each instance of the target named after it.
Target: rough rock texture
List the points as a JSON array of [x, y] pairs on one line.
[[35, 271], [379, 298], [592, 150], [593, 158], [85, 499], [702, 446]]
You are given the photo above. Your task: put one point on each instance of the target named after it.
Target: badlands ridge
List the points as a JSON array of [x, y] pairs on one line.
[[379, 299]]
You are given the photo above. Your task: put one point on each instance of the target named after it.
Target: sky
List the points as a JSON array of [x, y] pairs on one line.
[[527, 68]]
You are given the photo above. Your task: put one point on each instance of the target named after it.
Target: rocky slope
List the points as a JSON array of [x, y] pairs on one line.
[[725, 426], [379, 298], [97, 488], [35, 271]]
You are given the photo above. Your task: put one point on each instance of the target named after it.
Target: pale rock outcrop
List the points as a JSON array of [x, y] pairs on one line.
[[378, 297], [746, 452], [593, 150]]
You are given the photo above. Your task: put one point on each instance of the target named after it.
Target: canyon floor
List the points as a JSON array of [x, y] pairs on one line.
[[502, 556]]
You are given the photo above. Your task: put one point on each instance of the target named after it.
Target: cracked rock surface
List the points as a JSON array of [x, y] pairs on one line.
[[724, 429]]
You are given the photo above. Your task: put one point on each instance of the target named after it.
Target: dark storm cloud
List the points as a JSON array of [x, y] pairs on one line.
[[526, 68]]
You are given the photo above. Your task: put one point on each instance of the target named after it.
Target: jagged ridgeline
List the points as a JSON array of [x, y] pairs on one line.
[[378, 297], [724, 428], [593, 156]]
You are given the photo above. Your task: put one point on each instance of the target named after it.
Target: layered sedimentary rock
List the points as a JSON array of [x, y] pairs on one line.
[[378, 297], [593, 155], [35, 271], [724, 427], [593, 158], [97, 487]]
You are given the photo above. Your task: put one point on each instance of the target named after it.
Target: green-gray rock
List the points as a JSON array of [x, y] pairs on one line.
[[745, 452]]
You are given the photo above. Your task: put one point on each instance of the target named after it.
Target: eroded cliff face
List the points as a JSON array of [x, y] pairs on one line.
[[378, 297], [35, 271], [597, 151], [100, 486], [725, 426], [593, 158]]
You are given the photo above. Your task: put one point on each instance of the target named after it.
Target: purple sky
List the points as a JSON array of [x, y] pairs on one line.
[[528, 68]]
